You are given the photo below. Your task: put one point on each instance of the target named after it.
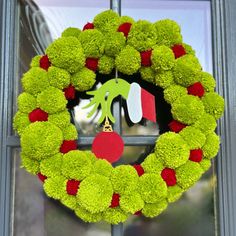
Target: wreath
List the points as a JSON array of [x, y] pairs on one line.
[[86, 181]]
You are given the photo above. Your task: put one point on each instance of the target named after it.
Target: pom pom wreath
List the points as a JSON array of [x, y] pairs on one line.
[[164, 79], [76, 165], [188, 174], [44, 62], [176, 126], [32, 166], [154, 209], [38, 115], [139, 169], [69, 92], [26, 102], [35, 61], [71, 32], [146, 58], [196, 89], [88, 26], [172, 149], [187, 109], [107, 21], [126, 19], [148, 74], [106, 65], [207, 81], [125, 28], [152, 188], [52, 100], [87, 216], [61, 119], [66, 53], [102, 167], [124, 179], [196, 155], [41, 140], [193, 137], [174, 193], [72, 186], [188, 49], [91, 63], [168, 175], [68, 145], [211, 146], [173, 92], [42, 177], [69, 132], [95, 193], [115, 202], [35, 81], [168, 33], [142, 35], [162, 58], [214, 104], [69, 201], [152, 164], [131, 203], [128, 61], [115, 215], [20, 122], [83, 80], [205, 164], [178, 50]]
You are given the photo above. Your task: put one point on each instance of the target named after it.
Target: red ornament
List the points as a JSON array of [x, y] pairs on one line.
[[115, 202], [68, 145], [125, 28], [92, 63], [42, 177], [138, 213], [196, 89], [72, 186], [176, 126], [69, 92], [38, 115], [44, 62], [196, 155], [178, 50], [139, 169], [168, 175], [88, 26], [146, 58]]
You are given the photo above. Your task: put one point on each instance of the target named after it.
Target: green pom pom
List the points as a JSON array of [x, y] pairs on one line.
[[51, 167], [162, 58], [32, 166], [214, 104], [172, 149], [172, 93], [207, 81], [102, 167], [69, 200], [93, 43], [187, 109], [205, 164], [148, 74], [124, 179], [164, 79], [211, 146], [188, 174], [71, 31], [131, 203], [186, 70], [114, 43], [128, 61], [86, 216], [84, 79], [152, 188], [76, 165], [66, 53], [41, 140], [142, 35], [52, 100], [154, 209], [188, 49], [35, 81], [35, 61], [174, 193], [193, 137], [95, 193], [20, 122], [168, 33], [106, 65], [26, 102], [126, 19], [69, 132], [54, 187], [107, 21], [115, 215], [61, 119], [58, 78], [152, 164]]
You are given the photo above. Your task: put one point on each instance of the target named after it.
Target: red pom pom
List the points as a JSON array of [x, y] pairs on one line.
[[139, 169], [115, 202], [178, 50], [125, 28], [196, 89], [42, 177], [68, 145], [44, 62], [138, 213], [92, 63], [176, 126], [69, 92], [196, 155], [146, 58], [169, 176], [38, 115], [72, 186], [88, 26]]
